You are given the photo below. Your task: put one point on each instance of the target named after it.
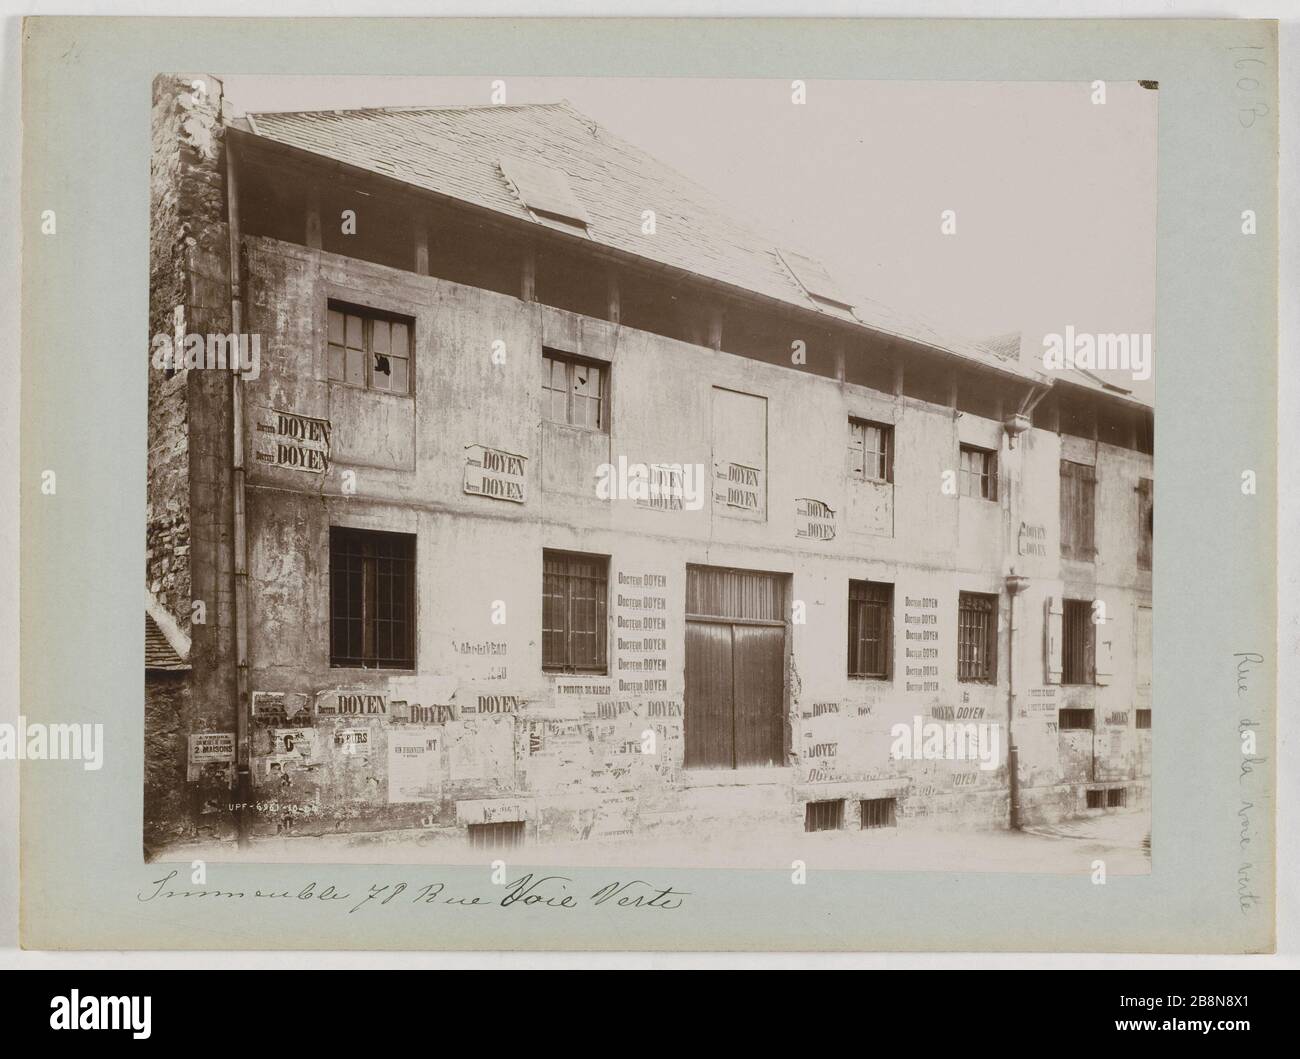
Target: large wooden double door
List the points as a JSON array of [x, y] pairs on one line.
[[735, 668]]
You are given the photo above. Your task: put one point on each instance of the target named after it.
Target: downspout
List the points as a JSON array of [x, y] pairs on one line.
[[1015, 425], [1015, 584], [243, 775]]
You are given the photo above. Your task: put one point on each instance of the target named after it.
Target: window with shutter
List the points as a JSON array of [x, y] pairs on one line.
[[1078, 486]]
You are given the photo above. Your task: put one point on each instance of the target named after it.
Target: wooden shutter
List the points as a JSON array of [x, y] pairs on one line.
[[1103, 639], [1054, 632]]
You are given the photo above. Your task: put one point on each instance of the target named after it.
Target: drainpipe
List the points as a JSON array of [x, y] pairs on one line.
[[1015, 585], [243, 776]]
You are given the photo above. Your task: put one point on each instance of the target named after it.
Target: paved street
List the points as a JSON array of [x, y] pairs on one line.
[[1067, 848]]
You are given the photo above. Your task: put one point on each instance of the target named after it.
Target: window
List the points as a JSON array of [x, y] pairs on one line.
[[372, 599], [870, 628], [871, 451], [878, 812], [977, 638], [824, 816], [1075, 720], [574, 392], [574, 602], [370, 349], [1096, 798], [979, 472], [1145, 522], [1078, 482], [1117, 798], [1143, 719], [1078, 647]]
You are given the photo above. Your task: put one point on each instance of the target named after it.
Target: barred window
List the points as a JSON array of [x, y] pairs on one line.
[[575, 590], [1078, 643], [574, 391], [871, 450], [372, 599], [870, 628], [977, 638], [979, 472], [370, 349], [1078, 485]]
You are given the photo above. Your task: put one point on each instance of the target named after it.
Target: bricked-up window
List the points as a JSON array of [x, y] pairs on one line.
[[1078, 643], [870, 628], [369, 348], [1078, 485], [977, 638], [1146, 524], [979, 472], [575, 590], [871, 451], [372, 599], [575, 391]]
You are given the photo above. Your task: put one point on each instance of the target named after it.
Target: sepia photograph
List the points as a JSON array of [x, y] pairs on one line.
[[650, 471]]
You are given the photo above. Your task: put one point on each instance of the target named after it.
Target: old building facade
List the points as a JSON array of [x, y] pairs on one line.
[[560, 505]]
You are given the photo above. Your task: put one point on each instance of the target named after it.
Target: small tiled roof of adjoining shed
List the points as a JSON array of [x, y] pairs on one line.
[[158, 651], [578, 177]]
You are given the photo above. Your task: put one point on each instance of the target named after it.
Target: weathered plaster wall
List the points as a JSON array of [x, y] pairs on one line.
[[479, 732]]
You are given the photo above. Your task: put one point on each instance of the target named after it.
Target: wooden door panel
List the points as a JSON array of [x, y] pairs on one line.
[[758, 660], [708, 723]]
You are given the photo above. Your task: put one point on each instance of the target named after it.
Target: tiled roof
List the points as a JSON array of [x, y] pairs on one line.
[[158, 652], [458, 151]]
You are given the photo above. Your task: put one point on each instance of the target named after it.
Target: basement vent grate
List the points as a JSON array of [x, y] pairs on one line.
[[502, 834], [1144, 718], [824, 816], [879, 812], [1117, 798], [1096, 798]]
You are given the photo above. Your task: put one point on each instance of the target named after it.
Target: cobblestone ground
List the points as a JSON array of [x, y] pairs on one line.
[[1120, 839]]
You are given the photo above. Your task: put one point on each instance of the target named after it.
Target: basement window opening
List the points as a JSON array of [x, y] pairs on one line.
[[1096, 798], [1143, 719], [879, 812], [1117, 798], [501, 834], [824, 816]]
